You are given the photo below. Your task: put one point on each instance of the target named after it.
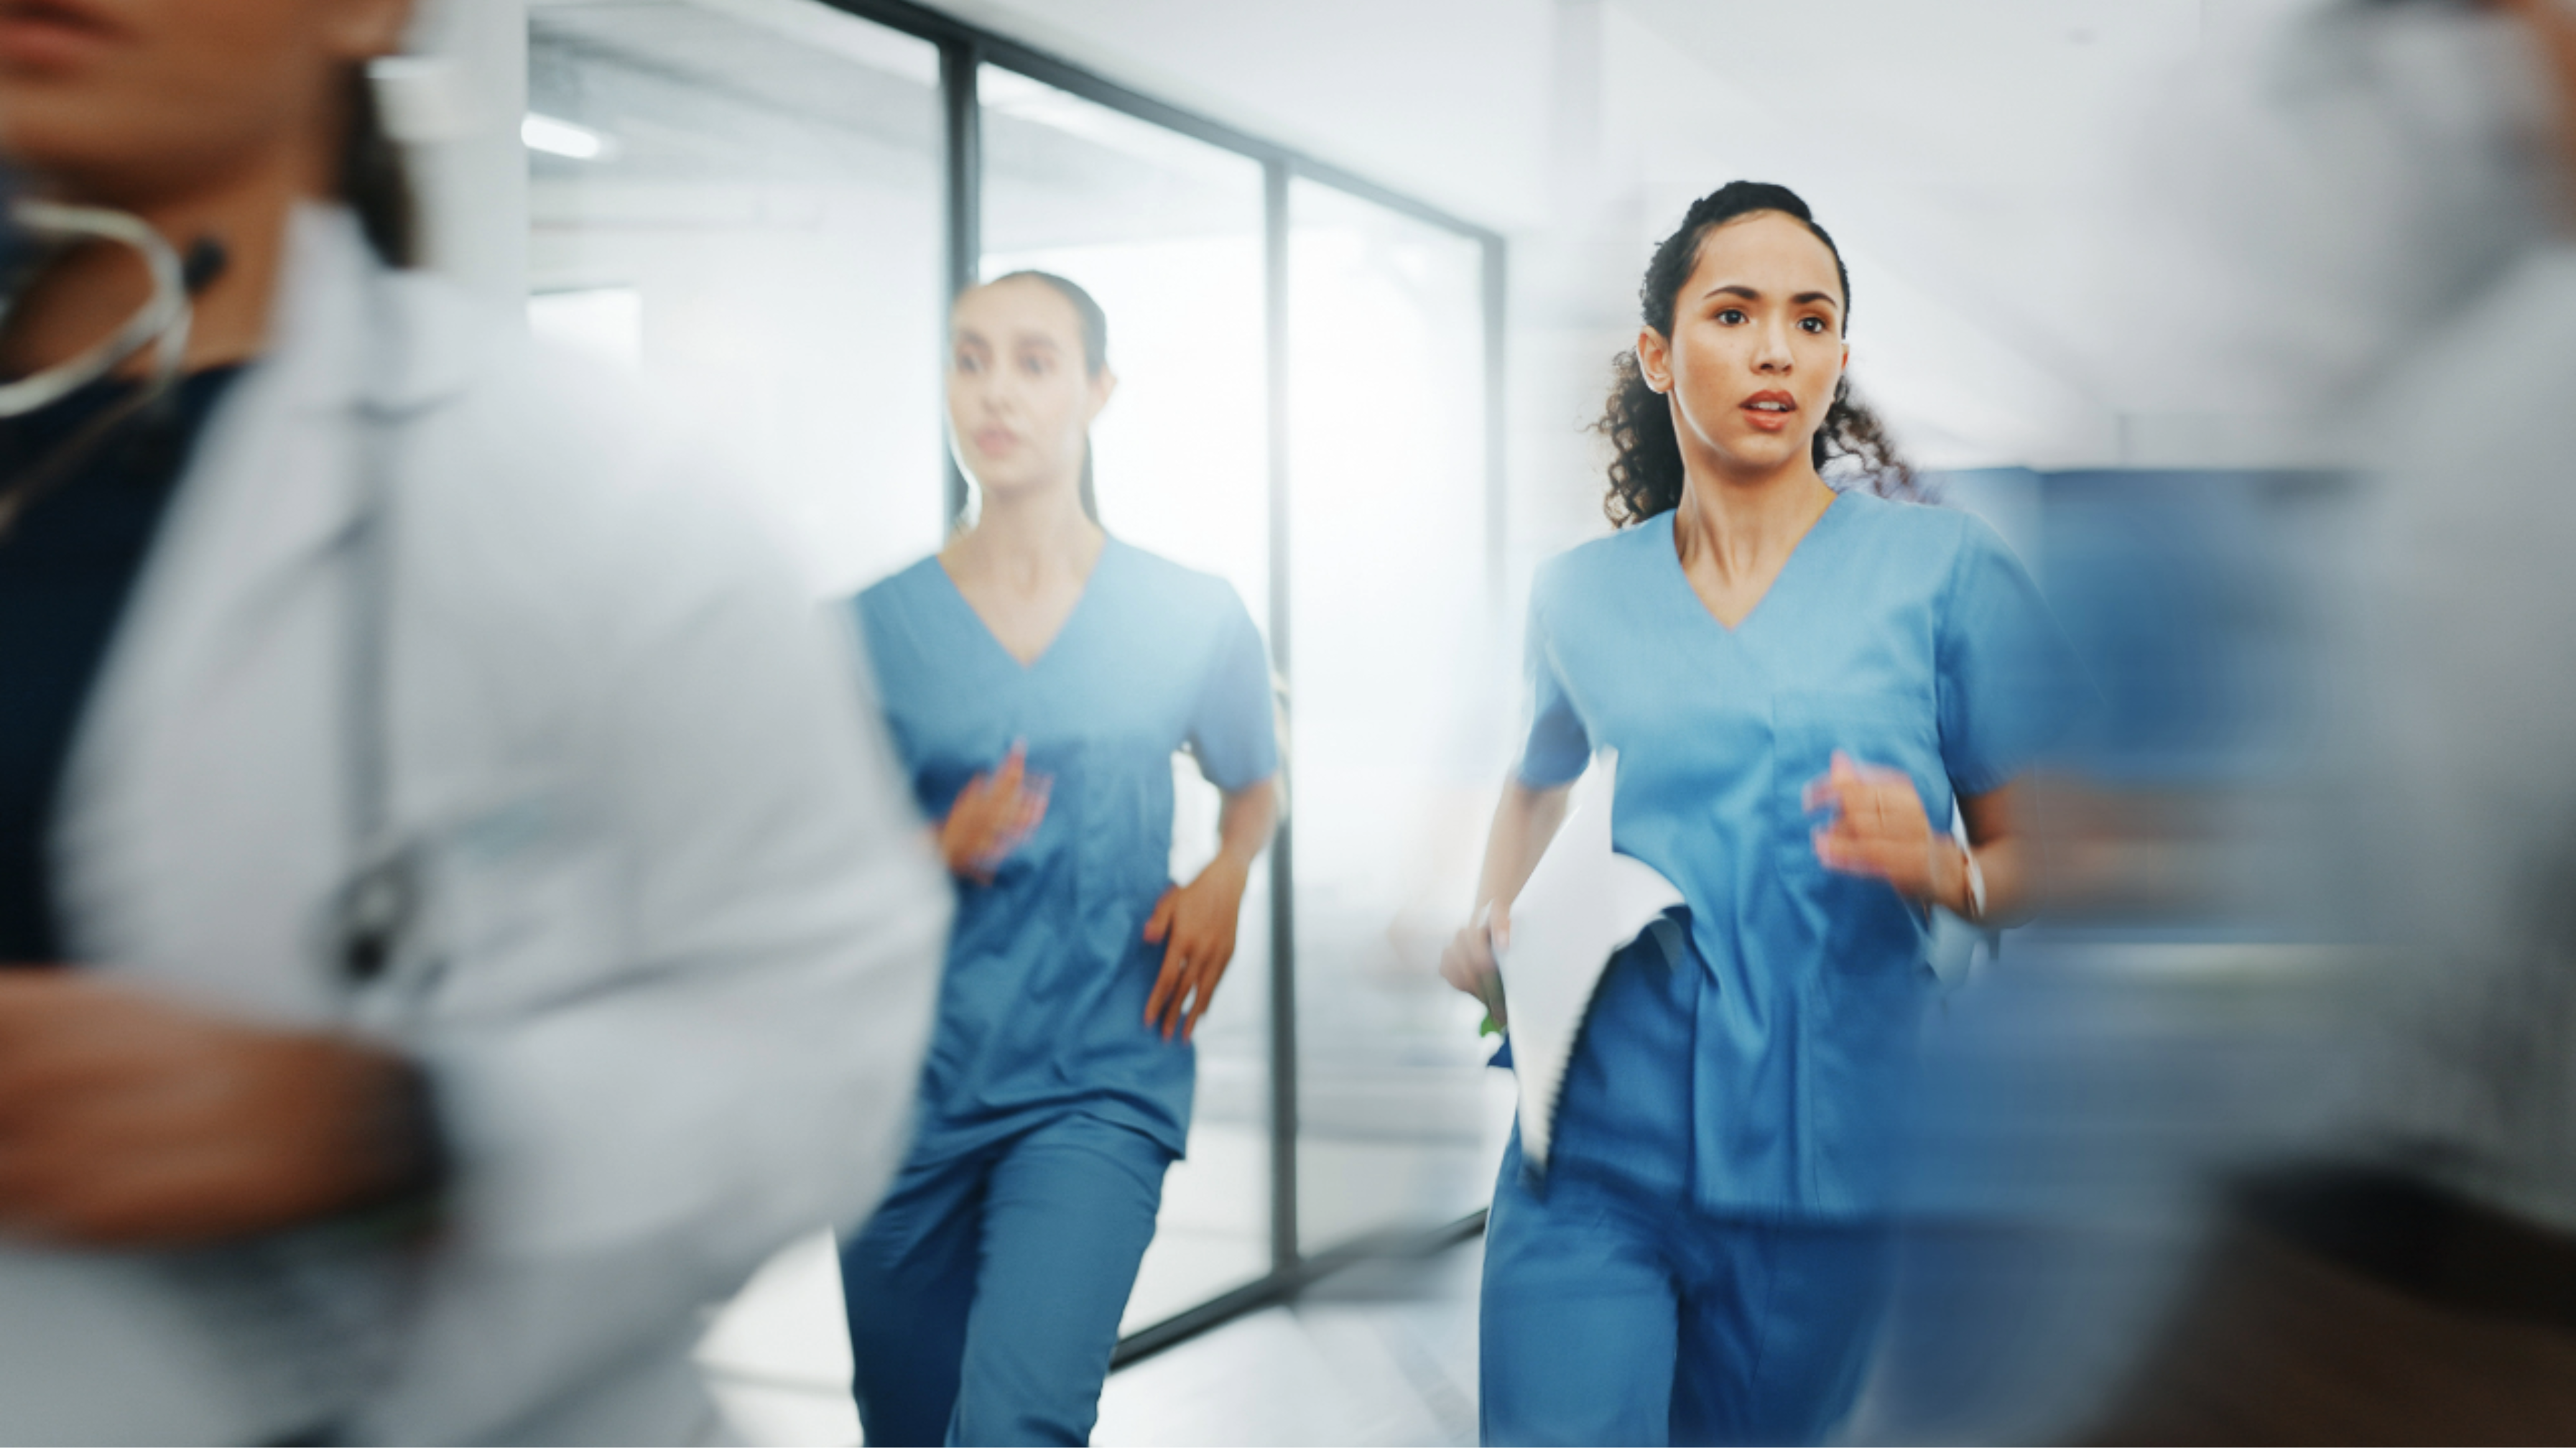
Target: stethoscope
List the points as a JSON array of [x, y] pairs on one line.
[[37, 233], [371, 916]]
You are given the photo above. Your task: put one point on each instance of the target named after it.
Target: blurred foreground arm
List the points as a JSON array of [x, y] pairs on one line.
[[129, 1120]]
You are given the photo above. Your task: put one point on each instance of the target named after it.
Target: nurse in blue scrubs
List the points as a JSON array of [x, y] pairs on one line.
[[1039, 676], [1801, 682]]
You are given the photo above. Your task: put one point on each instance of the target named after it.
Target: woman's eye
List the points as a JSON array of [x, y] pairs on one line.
[[1815, 325], [967, 363], [1035, 366], [1730, 316]]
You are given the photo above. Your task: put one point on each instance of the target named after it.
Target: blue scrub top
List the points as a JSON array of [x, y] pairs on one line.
[[1042, 1006], [1759, 1068]]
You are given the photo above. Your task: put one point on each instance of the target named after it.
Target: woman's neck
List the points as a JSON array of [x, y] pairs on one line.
[[1026, 539], [88, 294], [1743, 527]]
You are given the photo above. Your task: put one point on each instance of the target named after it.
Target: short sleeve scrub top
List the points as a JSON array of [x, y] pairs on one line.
[[1042, 1005], [1703, 1259], [1758, 1074]]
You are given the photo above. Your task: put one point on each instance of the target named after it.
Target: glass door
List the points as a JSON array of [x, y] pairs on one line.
[[1166, 232], [1397, 710], [742, 200]]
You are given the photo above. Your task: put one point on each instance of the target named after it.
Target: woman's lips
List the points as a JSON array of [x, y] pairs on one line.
[[992, 440], [1773, 417], [49, 36]]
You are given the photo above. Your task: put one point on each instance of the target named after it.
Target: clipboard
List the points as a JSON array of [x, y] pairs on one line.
[[1583, 904]]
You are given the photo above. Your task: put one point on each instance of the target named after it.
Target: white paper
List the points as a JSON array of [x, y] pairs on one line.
[[1582, 905]]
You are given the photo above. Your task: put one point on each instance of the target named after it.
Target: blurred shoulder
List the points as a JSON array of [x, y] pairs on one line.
[[901, 588], [1932, 540], [1611, 561], [1909, 520], [1165, 583]]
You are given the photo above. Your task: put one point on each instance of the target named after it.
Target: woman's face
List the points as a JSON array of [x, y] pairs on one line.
[[1756, 347], [1020, 399], [142, 103]]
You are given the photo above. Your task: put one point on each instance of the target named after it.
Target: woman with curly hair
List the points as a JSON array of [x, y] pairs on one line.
[[1801, 682]]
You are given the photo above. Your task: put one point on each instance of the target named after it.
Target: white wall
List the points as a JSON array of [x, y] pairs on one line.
[[471, 173]]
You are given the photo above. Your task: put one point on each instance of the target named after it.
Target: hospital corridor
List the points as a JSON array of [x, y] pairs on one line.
[[1350, 722]]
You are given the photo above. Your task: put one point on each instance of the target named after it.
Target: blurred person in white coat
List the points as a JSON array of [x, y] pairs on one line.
[[456, 916]]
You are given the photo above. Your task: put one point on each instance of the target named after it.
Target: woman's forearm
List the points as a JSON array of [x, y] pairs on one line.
[[1244, 824], [2007, 903], [2002, 852], [1525, 821]]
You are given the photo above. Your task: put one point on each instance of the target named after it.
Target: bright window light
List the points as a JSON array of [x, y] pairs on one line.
[[563, 138]]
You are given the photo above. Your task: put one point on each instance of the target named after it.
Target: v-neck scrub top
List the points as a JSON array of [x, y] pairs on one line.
[[1759, 1072], [1042, 1007]]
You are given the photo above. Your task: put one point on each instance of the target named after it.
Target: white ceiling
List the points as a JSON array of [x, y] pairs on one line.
[[1446, 99]]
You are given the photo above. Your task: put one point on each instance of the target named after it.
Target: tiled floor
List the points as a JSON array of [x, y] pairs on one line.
[[1379, 1354]]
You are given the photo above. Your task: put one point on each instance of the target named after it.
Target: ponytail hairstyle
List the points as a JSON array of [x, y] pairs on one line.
[[373, 181], [1095, 354], [1646, 471]]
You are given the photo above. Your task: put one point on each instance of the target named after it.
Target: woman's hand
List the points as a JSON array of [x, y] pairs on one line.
[[131, 1121], [1879, 830], [1195, 925], [1469, 965], [992, 816]]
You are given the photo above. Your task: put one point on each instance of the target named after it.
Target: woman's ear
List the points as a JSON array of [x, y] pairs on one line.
[[1655, 359], [1104, 385]]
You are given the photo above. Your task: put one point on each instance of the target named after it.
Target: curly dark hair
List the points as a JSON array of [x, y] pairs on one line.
[[1646, 474]]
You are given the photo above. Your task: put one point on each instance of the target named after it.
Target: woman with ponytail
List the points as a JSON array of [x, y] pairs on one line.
[[1801, 681], [1039, 674]]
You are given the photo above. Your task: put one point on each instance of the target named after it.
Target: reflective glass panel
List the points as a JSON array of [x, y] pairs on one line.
[[1166, 233], [741, 200], [1394, 710]]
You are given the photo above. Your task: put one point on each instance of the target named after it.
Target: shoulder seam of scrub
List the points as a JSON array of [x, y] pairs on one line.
[[1172, 566]]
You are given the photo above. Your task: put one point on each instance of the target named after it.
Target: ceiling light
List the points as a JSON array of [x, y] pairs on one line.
[[563, 138]]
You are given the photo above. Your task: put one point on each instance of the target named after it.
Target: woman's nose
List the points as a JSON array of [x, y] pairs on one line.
[[1773, 353], [987, 389]]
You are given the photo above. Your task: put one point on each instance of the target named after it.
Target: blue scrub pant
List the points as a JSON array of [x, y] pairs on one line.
[[1612, 1318], [984, 1295]]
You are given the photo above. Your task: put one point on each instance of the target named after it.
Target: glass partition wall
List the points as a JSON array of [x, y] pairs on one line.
[[743, 201], [761, 206], [1165, 231], [1395, 715]]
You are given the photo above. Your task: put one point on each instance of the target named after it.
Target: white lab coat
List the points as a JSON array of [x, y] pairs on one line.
[[681, 934]]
